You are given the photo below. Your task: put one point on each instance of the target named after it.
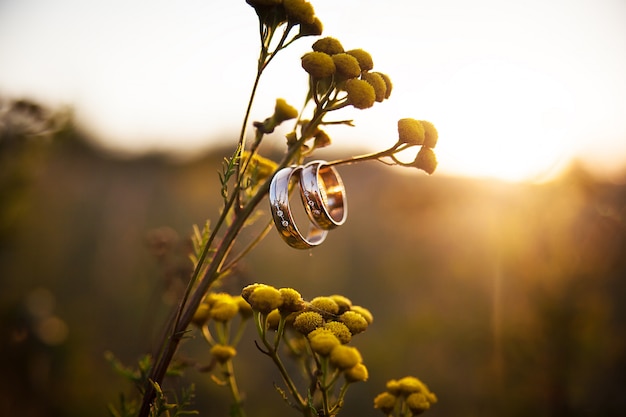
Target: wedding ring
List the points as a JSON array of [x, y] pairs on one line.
[[281, 213], [323, 195]]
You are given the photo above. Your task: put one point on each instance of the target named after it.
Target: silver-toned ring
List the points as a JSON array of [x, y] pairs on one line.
[[323, 194], [281, 212]]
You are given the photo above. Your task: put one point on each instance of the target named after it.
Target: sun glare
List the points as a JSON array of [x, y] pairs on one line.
[[504, 121]]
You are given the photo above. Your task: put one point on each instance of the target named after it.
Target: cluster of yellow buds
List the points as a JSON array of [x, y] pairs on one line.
[[422, 133], [405, 396], [317, 332], [332, 69], [273, 13], [220, 309]]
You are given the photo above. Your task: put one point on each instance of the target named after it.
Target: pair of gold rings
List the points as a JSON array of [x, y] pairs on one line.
[[324, 198]]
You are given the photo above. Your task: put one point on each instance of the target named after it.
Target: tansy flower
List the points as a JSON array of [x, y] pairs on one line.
[[347, 66], [417, 403], [345, 357], [245, 310], [426, 160], [376, 81], [328, 45], [355, 322], [299, 11], [291, 300], [367, 315], [265, 299], [340, 330], [343, 302], [201, 315], [322, 341], [325, 305], [311, 29], [388, 83], [410, 131], [360, 93], [430, 134], [273, 318], [358, 373], [224, 309], [308, 321], [365, 59], [222, 353], [318, 64], [385, 402]]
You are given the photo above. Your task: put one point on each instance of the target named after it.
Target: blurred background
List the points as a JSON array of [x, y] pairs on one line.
[[499, 280]]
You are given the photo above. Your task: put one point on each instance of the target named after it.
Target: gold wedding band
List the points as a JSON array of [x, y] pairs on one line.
[[323, 195], [281, 212]]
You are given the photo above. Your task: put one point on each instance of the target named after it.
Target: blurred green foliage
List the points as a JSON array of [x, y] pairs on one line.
[[506, 298]]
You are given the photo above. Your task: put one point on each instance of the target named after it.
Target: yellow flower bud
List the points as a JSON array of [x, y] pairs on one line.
[[360, 93], [431, 135], [318, 64], [245, 311], [299, 11], [411, 131], [367, 315], [322, 341], [308, 321], [344, 303], [328, 45], [201, 315], [340, 330], [385, 402], [345, 357], [291, 301], [376, 81], [365, 59], [325, 305], [249, 289], [417, 403], [273, 318], [223, 353], [224, 309], [393, 386], [265, 299], [311, 29], [358, 373], [283, 111], [388, 84], [347, 65], [426, 160], [355, 322]]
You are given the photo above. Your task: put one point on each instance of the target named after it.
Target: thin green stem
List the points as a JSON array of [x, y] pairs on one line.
[[234, 389]]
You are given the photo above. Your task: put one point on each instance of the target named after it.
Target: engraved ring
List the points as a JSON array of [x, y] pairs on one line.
[[281, 213], [323, 195]]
